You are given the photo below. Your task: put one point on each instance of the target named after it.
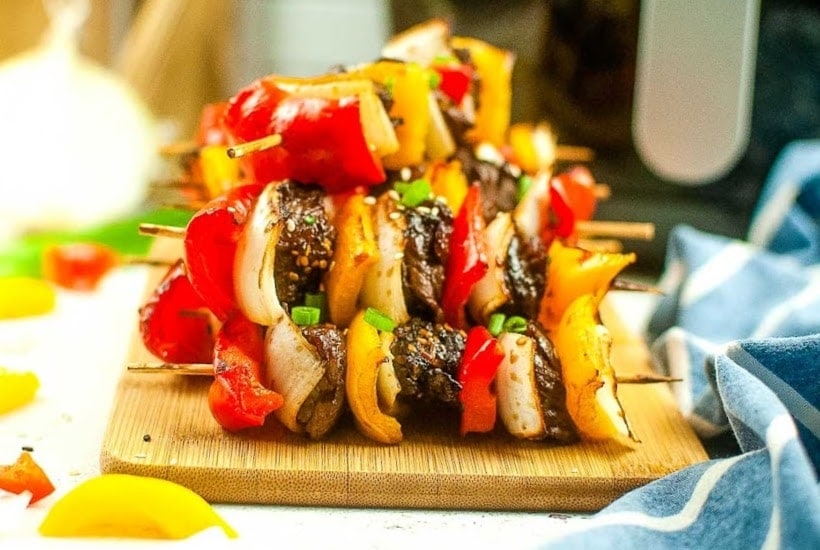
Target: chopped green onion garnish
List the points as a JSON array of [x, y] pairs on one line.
[[319, 301], [524, 184], [496, 323], [445, 59], [309, 219], [413, 193], [379, 320], [305, 316], [515, 323], [435, 80], [389, 84]]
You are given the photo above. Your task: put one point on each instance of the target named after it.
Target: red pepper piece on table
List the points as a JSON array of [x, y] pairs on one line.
[[476, 373], [25, 475], [322, 139], [467, 262], [210, 246], [174, 324], [78, 266], [237, 399], [456, 79]]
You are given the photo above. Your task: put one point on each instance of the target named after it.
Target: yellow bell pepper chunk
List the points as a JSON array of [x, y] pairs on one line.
[[25, 297], [533, 146], [447, 180], [583, 346], [494, 66], [16, 389], [409, 86], [354, 254], [365, 356], [130, 506], [219, 172], [573, 272]]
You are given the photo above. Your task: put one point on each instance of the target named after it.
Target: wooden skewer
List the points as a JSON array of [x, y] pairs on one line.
[[645, 379], [188, 369], [588, 228], [260, 144], [151, 262], [602, 191], [621, 230], [574, 153], [206, 369], [621, 284], [179, 148], [600, 245], [155, 230]]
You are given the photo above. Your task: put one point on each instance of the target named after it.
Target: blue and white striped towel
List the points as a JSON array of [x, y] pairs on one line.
[[740, 323]]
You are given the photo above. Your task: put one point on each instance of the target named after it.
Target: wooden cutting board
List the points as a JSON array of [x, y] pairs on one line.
[[160, 426]]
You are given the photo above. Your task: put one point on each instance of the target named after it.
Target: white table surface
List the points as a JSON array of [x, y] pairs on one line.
[[79, 352]]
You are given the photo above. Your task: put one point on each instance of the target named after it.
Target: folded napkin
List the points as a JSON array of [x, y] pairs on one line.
[[740, 324]]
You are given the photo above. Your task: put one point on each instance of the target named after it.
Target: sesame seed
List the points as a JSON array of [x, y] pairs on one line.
[[393, 194], [394, 215], [370, 200], [406, 173], [290, 225], [398, 255], [293, 276]]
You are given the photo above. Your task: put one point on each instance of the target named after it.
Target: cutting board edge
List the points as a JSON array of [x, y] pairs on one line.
[[537, 493]]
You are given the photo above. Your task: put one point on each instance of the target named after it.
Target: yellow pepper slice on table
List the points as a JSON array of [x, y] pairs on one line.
[[16, 389], [131, 506], [25, 297]]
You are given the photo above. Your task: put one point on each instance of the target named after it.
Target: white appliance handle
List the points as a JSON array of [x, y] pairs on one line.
[[694, 85]]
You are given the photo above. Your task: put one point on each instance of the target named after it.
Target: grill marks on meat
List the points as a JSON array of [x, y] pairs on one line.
[[306, 243], [499, 184], [551, 392], [427, 247], [325, 404], [525, 276], [426, 357]]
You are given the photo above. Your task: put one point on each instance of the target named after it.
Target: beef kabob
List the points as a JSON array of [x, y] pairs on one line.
[[261, 148]]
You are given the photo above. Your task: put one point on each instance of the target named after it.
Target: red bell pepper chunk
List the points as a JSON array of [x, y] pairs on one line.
[[467, 262], [476, 373], [174, 324], [25, 475], [210, 130], [322, 139], [562, 221], [78, 266], [456, 79], [237, 398], [210, 246], [579, 189]]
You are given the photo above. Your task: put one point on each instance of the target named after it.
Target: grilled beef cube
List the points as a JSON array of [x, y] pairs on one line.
[[427, 247], [525, 276], [325, 404], [560, 426], [426, 356], [499, 182], [305, 246]]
